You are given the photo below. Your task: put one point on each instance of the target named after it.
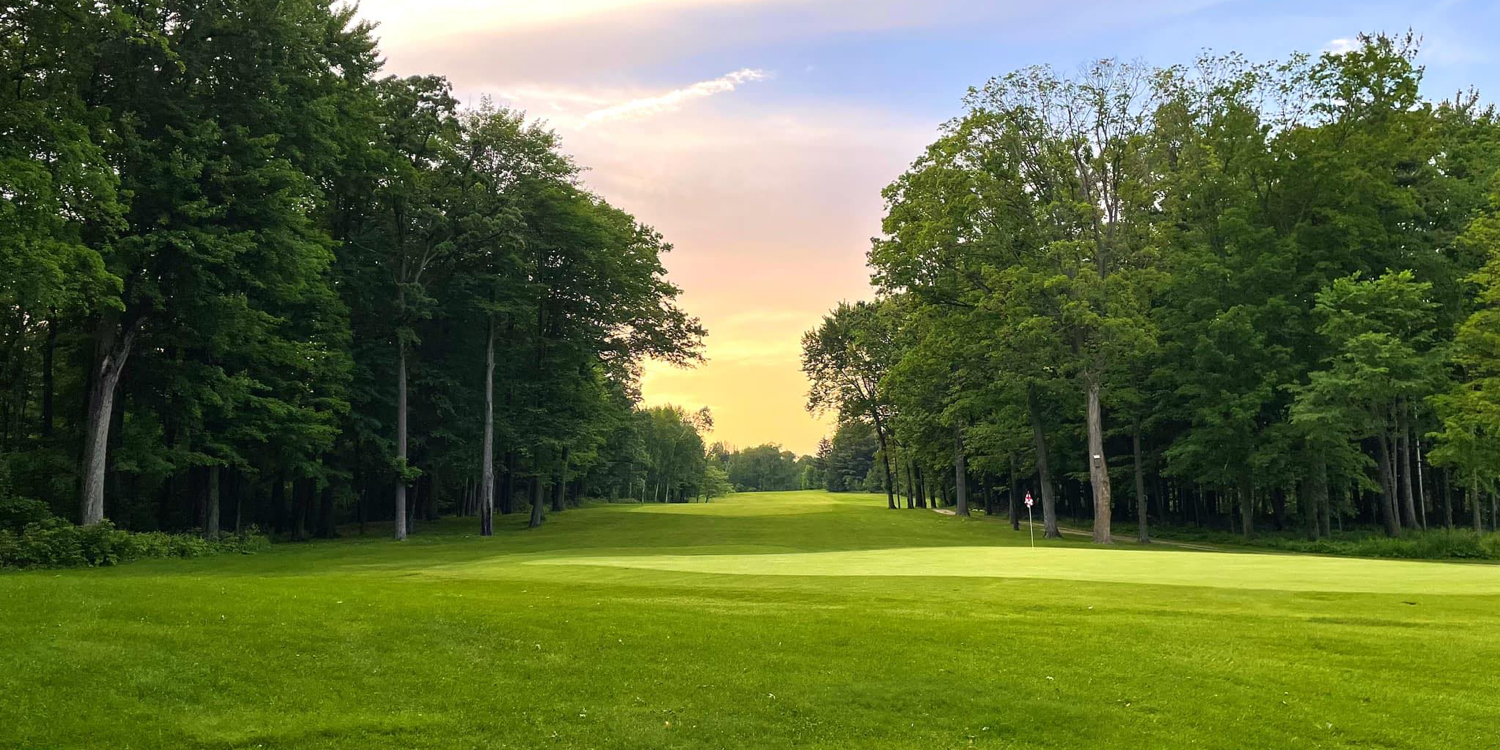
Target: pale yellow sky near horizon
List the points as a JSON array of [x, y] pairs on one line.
[[769, 206]]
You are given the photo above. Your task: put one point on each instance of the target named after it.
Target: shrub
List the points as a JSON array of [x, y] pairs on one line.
[[56, 543], [16, 512], [1433, 544]]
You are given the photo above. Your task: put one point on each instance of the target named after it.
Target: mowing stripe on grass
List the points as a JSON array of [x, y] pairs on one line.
[[1172, 568]]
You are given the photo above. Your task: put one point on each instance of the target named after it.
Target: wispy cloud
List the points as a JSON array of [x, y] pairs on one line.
[[672, 100], [1341, 46]]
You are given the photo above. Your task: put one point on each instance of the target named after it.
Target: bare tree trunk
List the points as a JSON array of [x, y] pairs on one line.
[[1474, 503], [911, 490], [401, 439], [1043, 470], [1403, 458], [918, 486], [537, 516], [211, 511], [1421, 486], [885, 458], [1387, 504], [559, 482], [1316, 495], [1098, 465], [1143, 534], [487, 454], [960, 470], [110, 357]]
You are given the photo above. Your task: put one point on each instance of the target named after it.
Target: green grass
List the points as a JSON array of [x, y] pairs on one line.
[[766, 621]]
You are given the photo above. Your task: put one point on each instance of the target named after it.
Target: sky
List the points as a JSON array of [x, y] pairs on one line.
[[756, 135]]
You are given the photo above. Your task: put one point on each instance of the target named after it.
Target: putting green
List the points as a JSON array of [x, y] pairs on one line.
[[1171, 568]]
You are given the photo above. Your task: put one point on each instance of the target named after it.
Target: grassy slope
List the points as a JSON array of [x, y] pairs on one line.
[[660, 630]]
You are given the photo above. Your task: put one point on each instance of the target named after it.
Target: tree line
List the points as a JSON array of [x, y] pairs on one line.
[[1226, 294], [247, 278]]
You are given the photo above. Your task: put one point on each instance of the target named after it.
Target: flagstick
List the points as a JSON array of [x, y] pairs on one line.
[[1029, 525]]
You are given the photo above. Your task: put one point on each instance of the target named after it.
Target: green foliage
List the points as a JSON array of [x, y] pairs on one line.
[[850, 458], [760, 468], [716, 481], [56, 543], [266, 242], [1255, 276], [675, 460]]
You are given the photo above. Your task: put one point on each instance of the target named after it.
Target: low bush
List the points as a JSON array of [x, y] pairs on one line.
[[16, 512], [56, 543], [1432, 544]]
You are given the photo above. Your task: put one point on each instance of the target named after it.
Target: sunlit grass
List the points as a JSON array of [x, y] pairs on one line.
[[765, 621]]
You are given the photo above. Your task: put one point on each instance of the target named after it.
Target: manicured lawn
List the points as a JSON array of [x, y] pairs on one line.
[[764, 621]]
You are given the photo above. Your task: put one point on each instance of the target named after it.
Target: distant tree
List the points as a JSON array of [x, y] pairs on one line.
[[763, 468], [851, 456]]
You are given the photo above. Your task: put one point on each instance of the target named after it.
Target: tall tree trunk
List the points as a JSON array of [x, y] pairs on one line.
[[537, 516], [1447, 479], [885, 458], [1403, 458], [110, 357], [47, 385], [1387, 503], [401, 439], [1143, 534], [508, 485], [559, 481], [1325, 510], [1315, 495], [211, 506], [960, 472], [1247, 503], [487, 452], [1278, 505], [1098, 464], [1043, 470], [920, 485], [1474, 502], [237, 481], [911, 490], [1421, 486], [1015, 515]]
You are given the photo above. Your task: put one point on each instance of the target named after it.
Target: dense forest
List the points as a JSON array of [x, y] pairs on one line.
[[1231, 295], [248, 280]]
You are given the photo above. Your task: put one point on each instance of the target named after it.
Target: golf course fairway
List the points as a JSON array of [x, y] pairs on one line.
[[762, 620]]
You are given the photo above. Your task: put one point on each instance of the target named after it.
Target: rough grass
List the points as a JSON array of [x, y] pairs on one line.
[[769, 621]]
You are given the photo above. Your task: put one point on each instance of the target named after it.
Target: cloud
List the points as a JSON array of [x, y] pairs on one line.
[[672, 100], [492, 45], [1341, 46]]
